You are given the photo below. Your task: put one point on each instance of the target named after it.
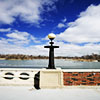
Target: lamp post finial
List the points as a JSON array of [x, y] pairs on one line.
[[51, 36]]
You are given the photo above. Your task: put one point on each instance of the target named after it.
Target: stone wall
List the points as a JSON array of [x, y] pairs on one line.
[[17, 76]]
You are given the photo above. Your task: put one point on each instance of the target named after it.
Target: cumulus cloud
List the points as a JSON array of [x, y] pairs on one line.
[[86, 28], [34, 39], [27, 10], [62, 23], [8, 48], [21, 38], [18, 35], [20, 43], [16, 46], [5, 30], [76, 50], [64, 20]]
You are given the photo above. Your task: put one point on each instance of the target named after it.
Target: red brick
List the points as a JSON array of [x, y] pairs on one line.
[[83, 78]]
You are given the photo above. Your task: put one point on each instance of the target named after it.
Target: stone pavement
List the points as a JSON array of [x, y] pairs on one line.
[[29, 93]]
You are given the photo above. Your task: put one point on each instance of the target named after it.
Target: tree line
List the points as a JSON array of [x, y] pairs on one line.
[[87, 57], [29, 57], [25, 57], [21, 57]]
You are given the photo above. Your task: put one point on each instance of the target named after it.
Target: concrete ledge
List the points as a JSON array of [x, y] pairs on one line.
[[81, 70], [51, 78]]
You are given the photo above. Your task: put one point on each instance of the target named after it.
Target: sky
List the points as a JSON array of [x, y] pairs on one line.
[[25, 25]]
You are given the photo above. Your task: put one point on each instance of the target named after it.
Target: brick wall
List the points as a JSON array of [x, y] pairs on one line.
[[81, 78]]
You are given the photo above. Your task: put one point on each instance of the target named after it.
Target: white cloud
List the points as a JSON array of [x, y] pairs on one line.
[[5, 30], [16, 46], [76, 50], [60, 25], [21, 38], [85, 29], [20, 43], [63, 50], [64, 20], [34, 39], [27, 10], [18, 35], [8, 48]]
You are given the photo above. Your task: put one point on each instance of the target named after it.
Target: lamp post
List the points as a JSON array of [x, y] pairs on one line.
[[51, 64]]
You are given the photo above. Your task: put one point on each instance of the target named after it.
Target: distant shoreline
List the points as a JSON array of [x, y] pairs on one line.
[[2, 58], [85, 58], [20, 59], [81, 60]]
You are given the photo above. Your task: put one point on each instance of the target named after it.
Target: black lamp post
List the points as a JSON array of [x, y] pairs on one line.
[[51, 51]]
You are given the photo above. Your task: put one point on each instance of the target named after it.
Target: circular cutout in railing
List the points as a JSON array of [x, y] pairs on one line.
[[9, 75], [24, 76]]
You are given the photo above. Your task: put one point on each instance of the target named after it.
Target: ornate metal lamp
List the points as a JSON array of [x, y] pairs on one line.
[[51, 64]]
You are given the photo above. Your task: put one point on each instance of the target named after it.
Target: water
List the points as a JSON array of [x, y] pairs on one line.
[[65, 64]]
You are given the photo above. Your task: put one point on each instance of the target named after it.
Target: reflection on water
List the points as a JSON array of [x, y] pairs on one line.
[[65, 64]]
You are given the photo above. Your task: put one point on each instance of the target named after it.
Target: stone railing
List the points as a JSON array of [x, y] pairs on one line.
[[18, 76], [50, 78]]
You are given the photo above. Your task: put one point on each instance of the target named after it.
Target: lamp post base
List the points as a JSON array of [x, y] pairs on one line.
[[51, 78]]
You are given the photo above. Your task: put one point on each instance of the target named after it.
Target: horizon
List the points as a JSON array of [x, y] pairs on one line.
[[45, 55], [25, 24]]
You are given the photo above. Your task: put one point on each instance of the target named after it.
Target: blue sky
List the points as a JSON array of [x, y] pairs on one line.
[[25, 24]]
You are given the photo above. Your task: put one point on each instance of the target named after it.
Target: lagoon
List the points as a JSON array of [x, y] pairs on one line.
[[43, 63]]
